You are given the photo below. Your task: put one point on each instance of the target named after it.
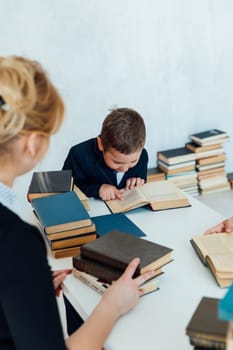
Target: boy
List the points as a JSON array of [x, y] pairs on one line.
[[103, 167]]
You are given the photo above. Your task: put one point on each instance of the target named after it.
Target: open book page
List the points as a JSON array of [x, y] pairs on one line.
[[161, 191], [216, 243], [223, 264], [132, 199]]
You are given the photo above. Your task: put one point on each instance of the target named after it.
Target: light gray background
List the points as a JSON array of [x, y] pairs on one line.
[[172, 60]]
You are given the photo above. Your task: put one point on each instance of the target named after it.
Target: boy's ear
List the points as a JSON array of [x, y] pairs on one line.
[[100, 145]]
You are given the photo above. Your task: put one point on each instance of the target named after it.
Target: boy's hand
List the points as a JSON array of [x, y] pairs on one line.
[[108, 192], [58, 277], [134, 182], [224, 226]]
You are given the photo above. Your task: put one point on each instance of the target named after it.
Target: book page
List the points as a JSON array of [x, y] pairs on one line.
[[216, 243], [161, 191], [132, 199], [223, 263]]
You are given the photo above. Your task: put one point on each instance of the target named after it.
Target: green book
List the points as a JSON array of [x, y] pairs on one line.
[[61, 212]]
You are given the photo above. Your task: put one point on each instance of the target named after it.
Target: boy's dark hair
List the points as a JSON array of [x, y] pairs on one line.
[[124, 130]]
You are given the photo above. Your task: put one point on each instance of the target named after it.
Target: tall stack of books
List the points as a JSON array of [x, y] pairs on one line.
[[210, 160], [64, 223], [104, 260], [179, 166], [205, 329]]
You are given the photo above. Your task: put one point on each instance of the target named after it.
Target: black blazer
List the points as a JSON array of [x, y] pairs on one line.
[[90, 171], [29, 317]]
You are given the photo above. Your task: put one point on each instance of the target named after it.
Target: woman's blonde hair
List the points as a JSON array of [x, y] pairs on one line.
[[28, 100]]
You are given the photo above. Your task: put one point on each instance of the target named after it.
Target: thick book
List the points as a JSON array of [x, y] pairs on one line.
[[213, 159], [66, 252], [119, 221], [100, 286], [209, 137], [159, 195], [100, 270], [61, 212], [176, 155], [118, 248], [192, 146], [205, 328], [216, 251], [46, 183], [71, 241]]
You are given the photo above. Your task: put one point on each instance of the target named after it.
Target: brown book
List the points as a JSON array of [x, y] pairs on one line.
[[159, 195], [117, 249], [155, 174], [82, 197], [66, 252], [205, 329], [100, 286], [172, 171], [216, 251], [213, 159], [197, 148], [71, 241], [102, 271]]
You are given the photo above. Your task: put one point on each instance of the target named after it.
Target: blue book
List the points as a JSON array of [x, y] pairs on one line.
[[225, 307], [61, 212], [106, 223]]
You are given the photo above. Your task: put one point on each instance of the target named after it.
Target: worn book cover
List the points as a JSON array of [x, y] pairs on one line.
[[118, 248], [159, 195], [119, 221], [60, 212], [205, 325], [45, 183]]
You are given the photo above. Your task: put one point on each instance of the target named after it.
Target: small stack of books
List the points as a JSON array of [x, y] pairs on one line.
[[216, 251], [104, 260], [64, 222], [179, 166], [210, 159], [155, 174], [205, 329]]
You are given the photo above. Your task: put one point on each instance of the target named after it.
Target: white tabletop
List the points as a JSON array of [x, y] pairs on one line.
[[160, 318]]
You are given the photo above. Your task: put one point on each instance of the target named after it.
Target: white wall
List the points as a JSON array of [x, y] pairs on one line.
[[170, 60]]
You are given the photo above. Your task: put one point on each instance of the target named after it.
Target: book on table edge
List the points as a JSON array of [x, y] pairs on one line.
[[61, 212], [118, 248], [46, 183], [159, 195], [100, 270], [101, 286], [204, 327], [118, 221], [222, 273]]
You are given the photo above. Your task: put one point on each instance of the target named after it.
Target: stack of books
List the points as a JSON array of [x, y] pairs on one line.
[[216, 252], [179, 165], [205, 329], [104, 260], [64, 222], [210, 160]]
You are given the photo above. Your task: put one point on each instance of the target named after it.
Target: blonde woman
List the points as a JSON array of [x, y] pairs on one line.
[[31, 110]]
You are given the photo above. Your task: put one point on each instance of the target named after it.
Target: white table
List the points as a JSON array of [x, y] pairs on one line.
[[160, 318]]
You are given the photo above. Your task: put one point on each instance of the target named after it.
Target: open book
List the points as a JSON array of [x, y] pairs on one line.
[[159, 194], [216, 251]]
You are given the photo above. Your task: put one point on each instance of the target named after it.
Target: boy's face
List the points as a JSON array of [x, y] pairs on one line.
[[119, 161]]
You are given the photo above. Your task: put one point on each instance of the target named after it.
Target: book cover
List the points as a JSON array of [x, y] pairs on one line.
[[118, 221], [118, 248], [205, 324], [176, 155], [159, 195], [225, 307], [61, 212], [50, 182]]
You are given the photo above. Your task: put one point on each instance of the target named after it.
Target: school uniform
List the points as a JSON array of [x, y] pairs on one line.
[[90, 171]]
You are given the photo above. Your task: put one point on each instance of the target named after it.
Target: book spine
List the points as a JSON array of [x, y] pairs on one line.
[[106, 260], [91, 282]]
